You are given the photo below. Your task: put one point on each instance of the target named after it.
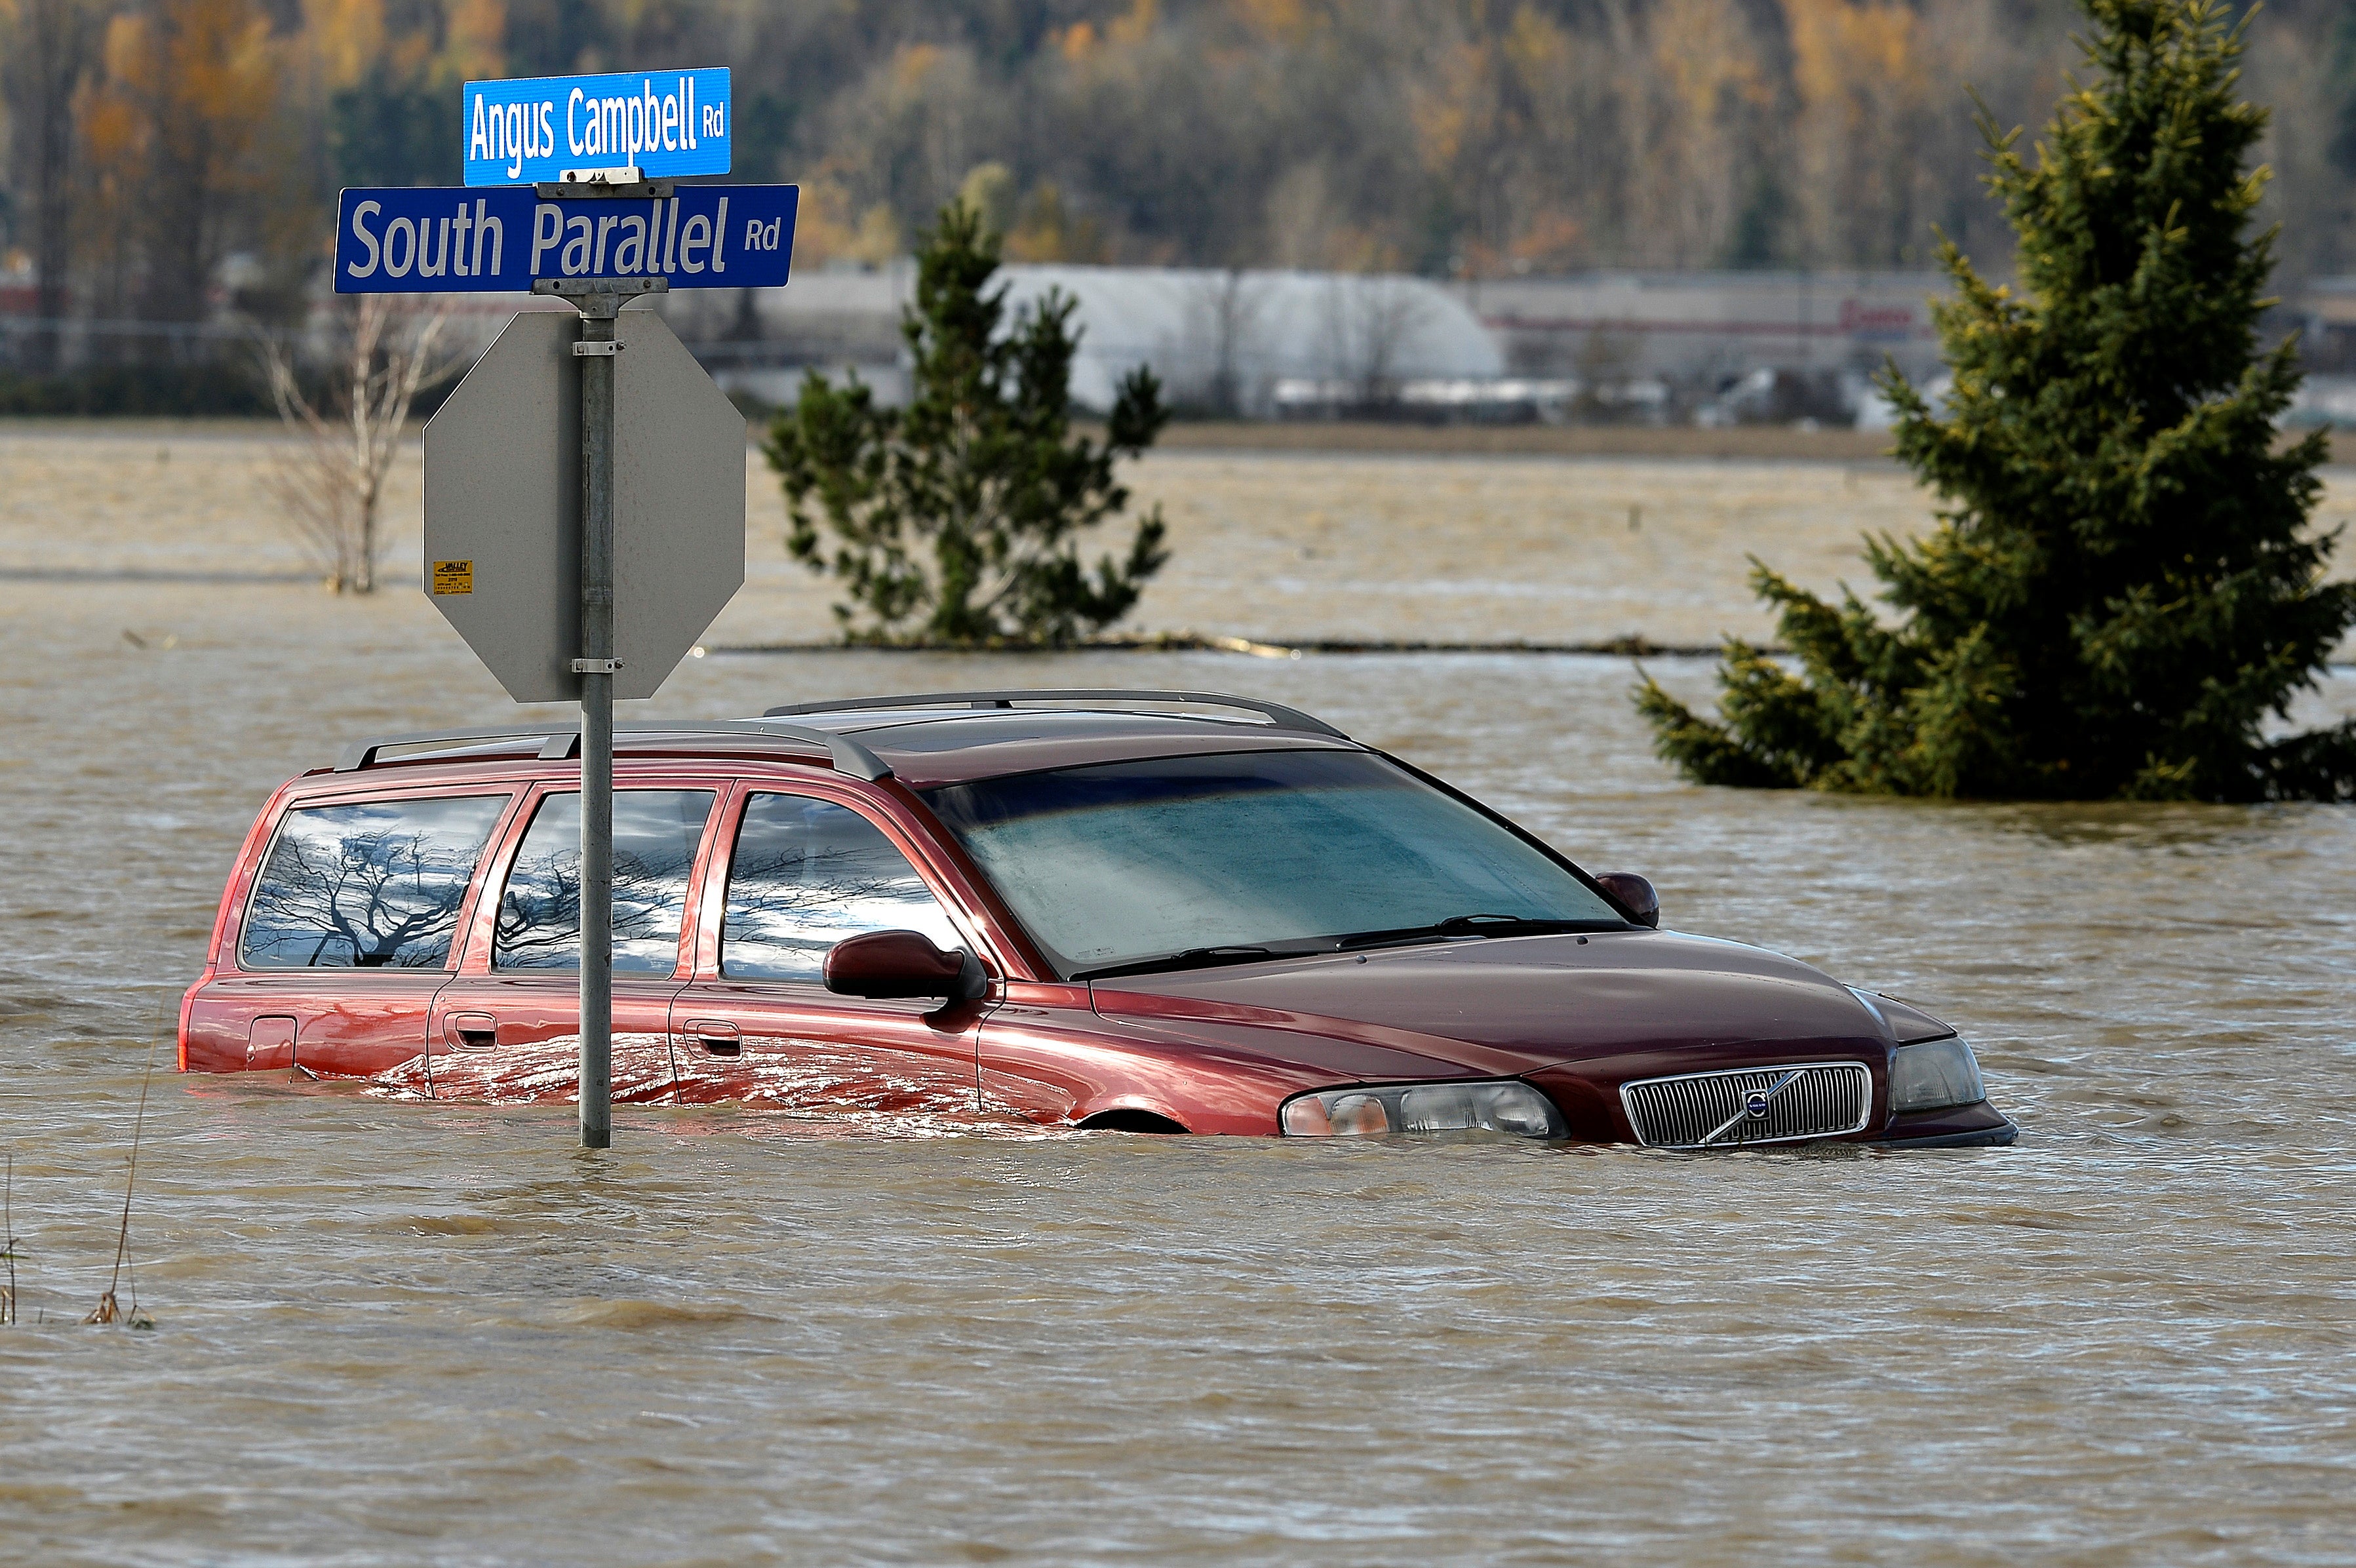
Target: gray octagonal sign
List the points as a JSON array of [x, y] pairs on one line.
[[503, 505]]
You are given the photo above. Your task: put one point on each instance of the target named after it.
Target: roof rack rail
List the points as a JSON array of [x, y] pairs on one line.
[[1276, 713], [561, 740]]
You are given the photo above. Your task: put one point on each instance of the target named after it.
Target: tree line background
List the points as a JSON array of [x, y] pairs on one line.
[[148, 142]]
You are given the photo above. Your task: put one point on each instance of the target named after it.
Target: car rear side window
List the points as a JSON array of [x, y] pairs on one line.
[[655, 836], [373, 885], [807, 874]]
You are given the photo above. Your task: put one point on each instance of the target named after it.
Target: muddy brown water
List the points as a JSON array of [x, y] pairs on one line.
[[397, 1333]]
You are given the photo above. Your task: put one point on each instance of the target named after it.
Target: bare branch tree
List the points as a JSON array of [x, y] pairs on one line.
[[1370, 320], [1391, 311], [332, 484], [1225, 309]]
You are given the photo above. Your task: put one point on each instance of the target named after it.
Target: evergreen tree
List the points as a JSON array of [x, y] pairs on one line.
[[2123, 586], [954, 519]]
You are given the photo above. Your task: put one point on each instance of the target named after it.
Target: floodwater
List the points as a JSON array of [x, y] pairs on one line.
[[393, 1332]]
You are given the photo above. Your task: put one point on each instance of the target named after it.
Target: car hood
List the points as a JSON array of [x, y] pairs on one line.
[[1505, 1006]]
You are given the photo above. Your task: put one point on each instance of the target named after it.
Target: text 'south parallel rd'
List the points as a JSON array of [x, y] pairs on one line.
[[402, 239]]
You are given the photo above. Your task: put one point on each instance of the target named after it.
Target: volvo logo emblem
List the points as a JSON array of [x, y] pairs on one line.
[[1755, 1105]]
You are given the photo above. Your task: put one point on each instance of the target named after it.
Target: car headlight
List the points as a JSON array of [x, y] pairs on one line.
[[1934, 1074], [1507, 1107]]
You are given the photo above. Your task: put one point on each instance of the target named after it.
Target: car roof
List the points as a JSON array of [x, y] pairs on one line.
[[922, 739]]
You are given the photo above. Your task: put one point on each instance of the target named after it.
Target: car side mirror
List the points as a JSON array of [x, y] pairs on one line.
[[1633, 894], [885, 964]]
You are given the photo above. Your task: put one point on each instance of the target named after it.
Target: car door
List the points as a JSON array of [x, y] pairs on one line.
[[508, 1027], [757, 1023], [347, 934]]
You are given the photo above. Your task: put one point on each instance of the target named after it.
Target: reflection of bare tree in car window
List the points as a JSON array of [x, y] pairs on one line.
[[805, 875], [375, 885], [654, 835]]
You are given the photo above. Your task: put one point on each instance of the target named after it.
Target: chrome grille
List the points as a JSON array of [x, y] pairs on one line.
[[1716, 1109]]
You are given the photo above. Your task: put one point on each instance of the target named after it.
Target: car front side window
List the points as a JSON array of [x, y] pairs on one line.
[[807, 874], [373, 885], [656, 832]]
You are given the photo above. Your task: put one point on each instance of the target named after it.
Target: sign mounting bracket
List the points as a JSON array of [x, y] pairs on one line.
[[582, 189]]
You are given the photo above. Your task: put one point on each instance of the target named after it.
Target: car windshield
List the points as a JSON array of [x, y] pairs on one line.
[[1184, 862]]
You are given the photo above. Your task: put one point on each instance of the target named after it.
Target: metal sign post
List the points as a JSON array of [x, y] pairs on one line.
[[583, 526], [597, 348], [600, 302], [585, 520]]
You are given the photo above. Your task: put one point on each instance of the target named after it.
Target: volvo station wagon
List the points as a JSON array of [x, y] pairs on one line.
[[1149, 911]]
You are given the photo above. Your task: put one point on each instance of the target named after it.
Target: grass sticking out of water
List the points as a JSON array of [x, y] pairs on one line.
[[8, 1241], [109, 1310]]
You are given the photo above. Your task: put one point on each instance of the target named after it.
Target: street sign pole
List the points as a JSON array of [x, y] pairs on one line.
[[648, 497], [600, 301], [596, 350]]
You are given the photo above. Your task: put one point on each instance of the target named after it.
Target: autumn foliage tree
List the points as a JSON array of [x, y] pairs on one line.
[[46, 49], [174, 125], [957, 519], [2124, 587], [1444, 137]]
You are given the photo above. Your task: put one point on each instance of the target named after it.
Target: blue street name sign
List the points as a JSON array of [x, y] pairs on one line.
[[447, 240], [534, 129]]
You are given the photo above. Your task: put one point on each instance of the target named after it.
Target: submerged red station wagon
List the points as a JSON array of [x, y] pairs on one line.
[[1155, 911]]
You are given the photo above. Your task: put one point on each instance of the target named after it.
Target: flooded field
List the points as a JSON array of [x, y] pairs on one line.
[[400, 1332]]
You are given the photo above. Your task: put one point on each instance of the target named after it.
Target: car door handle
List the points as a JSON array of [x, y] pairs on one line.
[[471, 1031], [717, 1036]]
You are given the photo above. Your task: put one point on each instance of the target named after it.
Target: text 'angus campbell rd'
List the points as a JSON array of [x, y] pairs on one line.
[[527, 130]]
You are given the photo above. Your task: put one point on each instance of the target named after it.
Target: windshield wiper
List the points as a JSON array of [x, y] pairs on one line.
[[1455, 926], [1469, 926], [1192, 957]]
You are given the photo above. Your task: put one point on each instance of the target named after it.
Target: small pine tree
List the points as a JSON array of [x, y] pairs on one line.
[[2123, 584], [955, 519]]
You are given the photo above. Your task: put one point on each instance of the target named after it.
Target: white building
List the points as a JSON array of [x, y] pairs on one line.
[[1707, 346], [1700, 331], [1216, 339]]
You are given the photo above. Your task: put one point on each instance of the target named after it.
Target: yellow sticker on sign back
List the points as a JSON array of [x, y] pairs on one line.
[[453, 577]]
